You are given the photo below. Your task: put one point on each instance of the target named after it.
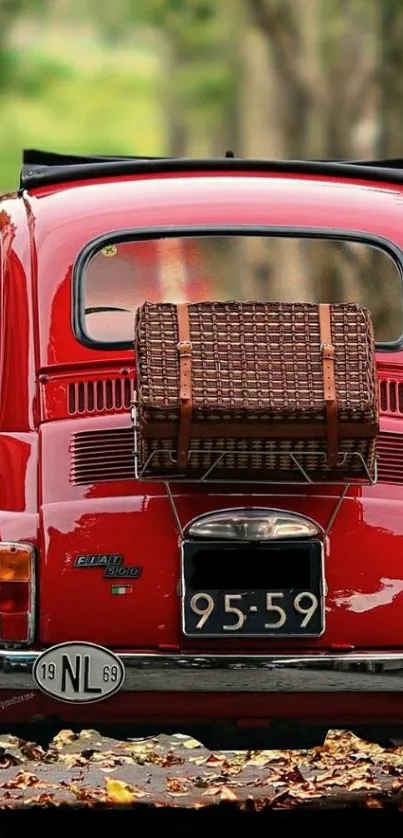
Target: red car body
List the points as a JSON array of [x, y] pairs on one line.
[[351, 675]]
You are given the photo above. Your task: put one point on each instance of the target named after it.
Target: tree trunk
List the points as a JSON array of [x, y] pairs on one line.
[[391, 78]]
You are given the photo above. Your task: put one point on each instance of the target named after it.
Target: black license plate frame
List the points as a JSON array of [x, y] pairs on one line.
[[305, 561]]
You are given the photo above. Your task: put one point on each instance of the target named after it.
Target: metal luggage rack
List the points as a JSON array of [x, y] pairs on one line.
[[141, 469], [140, 472]]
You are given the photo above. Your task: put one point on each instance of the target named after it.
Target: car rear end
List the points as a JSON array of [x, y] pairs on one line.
[[263, 605]]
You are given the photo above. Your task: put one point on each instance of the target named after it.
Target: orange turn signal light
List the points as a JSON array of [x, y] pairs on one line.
[[16, 563]]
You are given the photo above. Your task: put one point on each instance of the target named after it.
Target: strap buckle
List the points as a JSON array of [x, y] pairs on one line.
[[184, 347], [327, 350]]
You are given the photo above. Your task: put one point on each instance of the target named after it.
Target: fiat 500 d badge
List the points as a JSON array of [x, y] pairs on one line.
[[79, 673]]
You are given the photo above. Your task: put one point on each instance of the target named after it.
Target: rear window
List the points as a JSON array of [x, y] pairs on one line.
[[120, 276]]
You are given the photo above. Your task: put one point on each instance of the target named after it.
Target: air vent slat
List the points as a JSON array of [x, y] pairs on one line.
[[95, 476], [110, 463], [107, 451], [90, 396], [108, 440], [114, 394], [101, 477]]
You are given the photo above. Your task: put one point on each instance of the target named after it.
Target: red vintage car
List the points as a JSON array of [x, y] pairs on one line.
[[264, 611]]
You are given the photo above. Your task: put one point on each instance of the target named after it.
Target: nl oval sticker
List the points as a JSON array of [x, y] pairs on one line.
[[78, 672]]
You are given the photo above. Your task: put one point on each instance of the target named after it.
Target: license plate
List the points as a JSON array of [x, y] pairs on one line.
[[232, 590], [79, 673]]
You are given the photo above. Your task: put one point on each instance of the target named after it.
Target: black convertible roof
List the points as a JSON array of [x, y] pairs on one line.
[[41, 168]]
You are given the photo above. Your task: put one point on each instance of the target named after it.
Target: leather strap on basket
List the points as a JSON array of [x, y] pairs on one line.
[[329, 383], [185, 383]]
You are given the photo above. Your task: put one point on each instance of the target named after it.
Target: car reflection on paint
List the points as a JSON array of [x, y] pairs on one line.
[[370, 666], [23, 663]]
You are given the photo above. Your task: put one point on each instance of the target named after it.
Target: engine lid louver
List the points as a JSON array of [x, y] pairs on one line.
[[104, 455], [111, 394], [390, 458], [391, 397], [100, 455]]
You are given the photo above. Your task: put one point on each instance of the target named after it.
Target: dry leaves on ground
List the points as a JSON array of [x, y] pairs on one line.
[[87, 769]]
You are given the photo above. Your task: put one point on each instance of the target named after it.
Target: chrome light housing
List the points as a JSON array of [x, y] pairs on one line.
[[251, 525]]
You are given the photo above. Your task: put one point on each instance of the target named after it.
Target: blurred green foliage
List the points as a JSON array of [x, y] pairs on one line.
[[94, 77], [84, 97]]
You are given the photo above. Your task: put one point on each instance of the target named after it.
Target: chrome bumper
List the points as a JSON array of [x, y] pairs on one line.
[[322, 672]]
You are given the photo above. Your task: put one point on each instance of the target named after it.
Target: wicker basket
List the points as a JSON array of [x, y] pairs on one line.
[[256, 390]]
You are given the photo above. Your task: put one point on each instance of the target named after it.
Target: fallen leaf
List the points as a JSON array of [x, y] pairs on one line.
[[305, 794], [336, 781], [264, 757], [220, 759], [223, 792], [213, 791], [363, 784], [227, 794], [293, 776], [277, 797], [32, 751], [23, 780], [191, 743], [118, 792], [178, 785], [7, 760], [73, 760], [64, 737], [43, 799], [397, 785]]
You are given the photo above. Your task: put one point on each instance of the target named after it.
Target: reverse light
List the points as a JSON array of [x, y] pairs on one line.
[[251, 525], [17, 569]]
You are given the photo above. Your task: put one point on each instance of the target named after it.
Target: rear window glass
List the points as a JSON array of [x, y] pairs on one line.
[[121, 276]]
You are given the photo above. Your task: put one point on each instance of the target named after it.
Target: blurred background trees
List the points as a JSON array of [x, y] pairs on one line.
[[265, 78]]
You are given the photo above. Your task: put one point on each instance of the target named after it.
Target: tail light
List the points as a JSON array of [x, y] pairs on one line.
[[17, 577]]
